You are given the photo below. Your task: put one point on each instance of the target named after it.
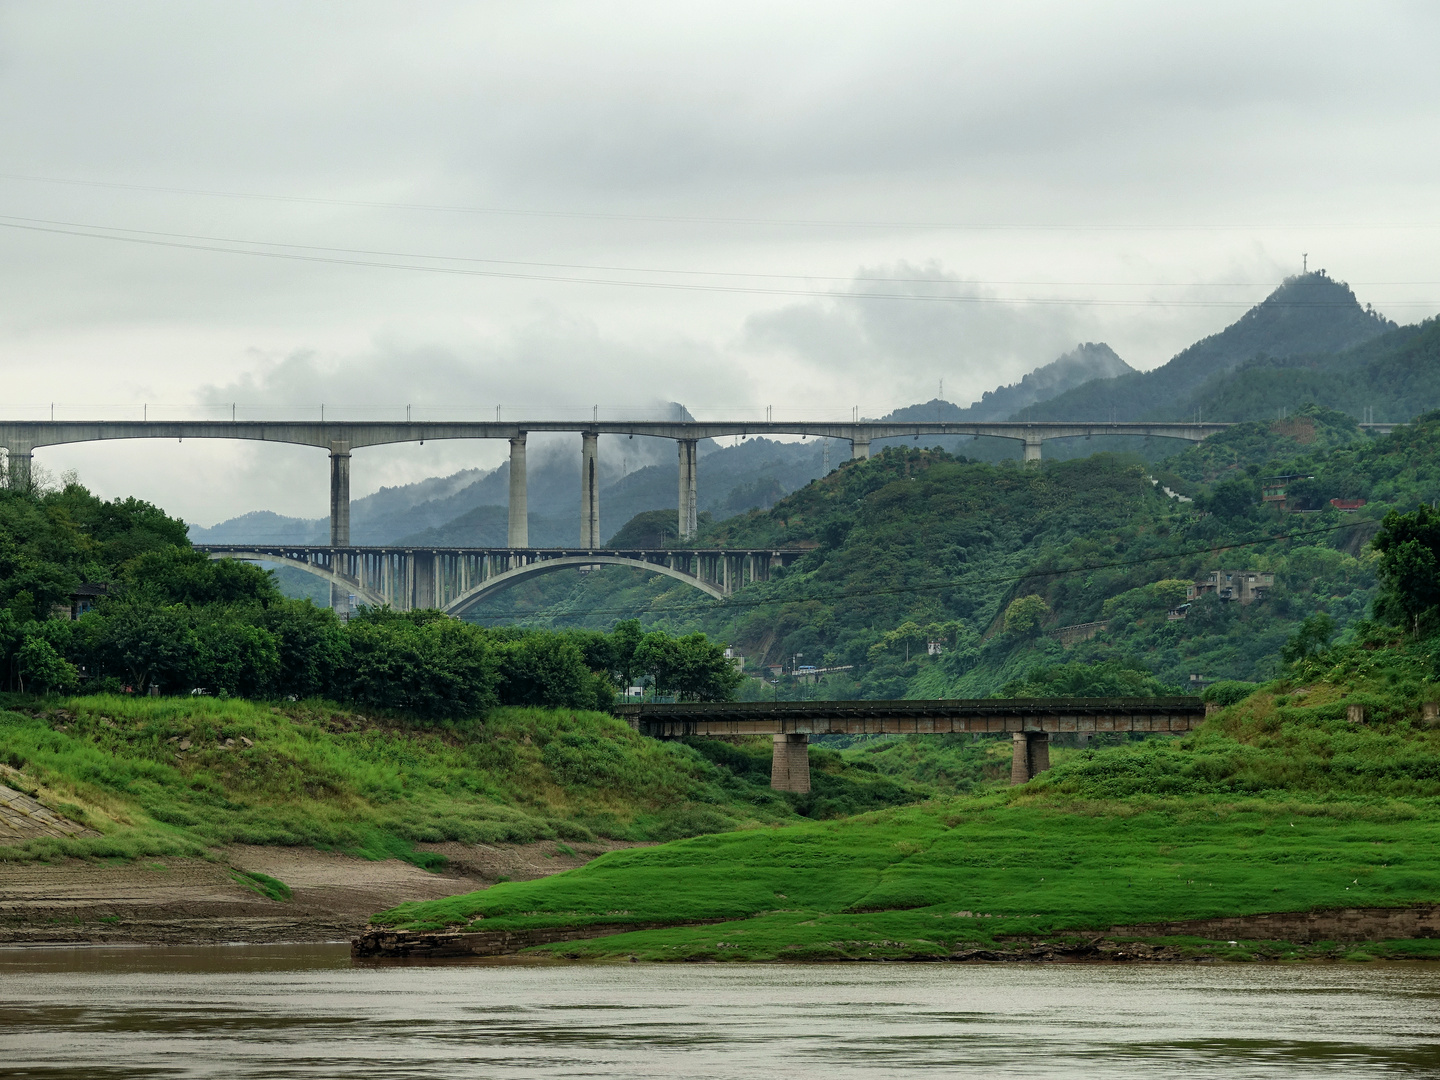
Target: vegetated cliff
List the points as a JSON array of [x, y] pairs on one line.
[[1307, 315]]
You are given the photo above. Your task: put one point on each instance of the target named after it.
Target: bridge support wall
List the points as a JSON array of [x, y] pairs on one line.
[[519, 534], [859, 449], [1030, 756], [790, 763]]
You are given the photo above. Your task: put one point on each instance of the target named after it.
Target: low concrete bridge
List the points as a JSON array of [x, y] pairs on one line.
[[455, 579], [1030, 722], [21, 438]]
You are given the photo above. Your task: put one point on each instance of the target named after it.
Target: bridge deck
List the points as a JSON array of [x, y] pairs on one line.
[[1172, 714]]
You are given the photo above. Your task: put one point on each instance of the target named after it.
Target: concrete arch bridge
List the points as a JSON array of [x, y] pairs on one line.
[[455, 579]]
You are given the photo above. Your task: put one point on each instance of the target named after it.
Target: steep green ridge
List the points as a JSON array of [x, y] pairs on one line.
[[158, 776], [1307, 315], [1280, 803], [917, 546], [1395, 376]]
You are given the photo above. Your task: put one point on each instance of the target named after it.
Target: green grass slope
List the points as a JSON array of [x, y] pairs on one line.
[[182, 776], [1280, 803]]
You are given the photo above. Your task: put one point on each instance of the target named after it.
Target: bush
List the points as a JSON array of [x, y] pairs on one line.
[[1228, 692]]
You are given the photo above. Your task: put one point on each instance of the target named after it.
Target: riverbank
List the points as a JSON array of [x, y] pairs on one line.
[[248, 893]]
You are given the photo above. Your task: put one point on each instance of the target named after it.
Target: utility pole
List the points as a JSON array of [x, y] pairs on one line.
[[1305, 263]]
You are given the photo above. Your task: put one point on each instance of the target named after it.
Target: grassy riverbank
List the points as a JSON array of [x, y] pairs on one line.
[[1280, 804], [181, 776]]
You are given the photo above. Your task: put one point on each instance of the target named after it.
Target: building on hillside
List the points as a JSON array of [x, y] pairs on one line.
[[82, 599], [1272, 488], [1347, 506], [1246, 586]]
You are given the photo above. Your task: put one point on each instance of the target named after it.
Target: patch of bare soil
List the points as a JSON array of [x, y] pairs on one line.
[[192, 901]]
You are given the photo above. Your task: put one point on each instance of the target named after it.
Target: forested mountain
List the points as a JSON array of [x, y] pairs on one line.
[[917, 546], [1395, 376], [1309, 314]]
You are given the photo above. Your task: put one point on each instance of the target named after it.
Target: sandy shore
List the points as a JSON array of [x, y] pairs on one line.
[[192, 901]]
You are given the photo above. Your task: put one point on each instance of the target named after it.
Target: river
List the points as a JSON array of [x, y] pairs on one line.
[[308, 1011]]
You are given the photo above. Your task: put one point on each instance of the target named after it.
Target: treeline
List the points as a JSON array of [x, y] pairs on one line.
[[173, 621]]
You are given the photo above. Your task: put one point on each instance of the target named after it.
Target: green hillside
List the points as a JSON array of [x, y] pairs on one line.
[[1309, 314], [1280, 803], [177, 776], [916, 545]]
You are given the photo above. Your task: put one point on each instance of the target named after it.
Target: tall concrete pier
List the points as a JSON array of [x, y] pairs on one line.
[[589, 490], [689, 496], [519, 522]]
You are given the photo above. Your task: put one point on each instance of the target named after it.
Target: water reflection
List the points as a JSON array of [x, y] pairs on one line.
[[306, 1011]]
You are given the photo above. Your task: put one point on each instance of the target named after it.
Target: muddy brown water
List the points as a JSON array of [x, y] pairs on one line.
[[308, 1011]]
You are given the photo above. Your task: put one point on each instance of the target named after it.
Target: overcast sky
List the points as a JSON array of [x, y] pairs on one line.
[[554, 206]]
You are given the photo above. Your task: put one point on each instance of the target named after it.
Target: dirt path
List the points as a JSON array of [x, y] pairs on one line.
[[192, 901]]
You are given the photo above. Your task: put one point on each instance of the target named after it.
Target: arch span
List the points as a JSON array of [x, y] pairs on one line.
[[368, 597], [501, 582]]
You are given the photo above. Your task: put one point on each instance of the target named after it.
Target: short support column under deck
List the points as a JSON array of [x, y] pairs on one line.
[[589, 491], [1032, 448], [689, 489], [859, 448], [1030, 755], [519, 535], [790, 763]]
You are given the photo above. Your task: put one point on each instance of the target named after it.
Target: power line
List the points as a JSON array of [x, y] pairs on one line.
[[955, 583], [693, 219], [217, 245]]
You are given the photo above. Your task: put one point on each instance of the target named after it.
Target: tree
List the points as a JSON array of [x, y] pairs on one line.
[[691, 667], [1312, 639], [41, 669], [141, 643], [1408, 546], [435, 668], [1026, 615]]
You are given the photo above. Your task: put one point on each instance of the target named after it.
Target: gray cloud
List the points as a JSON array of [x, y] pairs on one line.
[[1175, 148]]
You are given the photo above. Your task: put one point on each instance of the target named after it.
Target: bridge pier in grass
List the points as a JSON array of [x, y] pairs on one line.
[[1029, 721]]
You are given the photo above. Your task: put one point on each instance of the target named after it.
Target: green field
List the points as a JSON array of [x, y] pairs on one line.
[[1278, 804]]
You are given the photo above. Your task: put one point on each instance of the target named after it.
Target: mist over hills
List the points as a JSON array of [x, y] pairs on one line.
[[1309, 341]]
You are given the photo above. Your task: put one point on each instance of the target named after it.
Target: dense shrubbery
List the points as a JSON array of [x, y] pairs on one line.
[[174, 621]]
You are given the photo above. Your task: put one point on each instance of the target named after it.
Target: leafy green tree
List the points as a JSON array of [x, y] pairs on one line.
[[233, 656], [313, 647], [436, 668], [1312, 639], [1026, 616], [41, 669], [1112, 678], [692, 667], [1408, 546], [183, 576], [142, 643], [545, 669]]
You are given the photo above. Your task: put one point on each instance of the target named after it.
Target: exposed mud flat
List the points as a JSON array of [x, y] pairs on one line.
[[193, 901]]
